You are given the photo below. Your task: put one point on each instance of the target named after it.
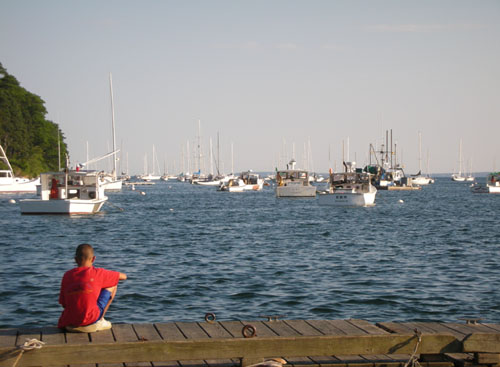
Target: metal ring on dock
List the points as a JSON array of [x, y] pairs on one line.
[[210, 317], [249, 331]]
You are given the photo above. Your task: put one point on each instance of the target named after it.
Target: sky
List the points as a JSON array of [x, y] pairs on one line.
[[269, 80]]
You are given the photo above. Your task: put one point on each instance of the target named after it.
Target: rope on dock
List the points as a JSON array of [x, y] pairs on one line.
[[29, 344], [413, 361]]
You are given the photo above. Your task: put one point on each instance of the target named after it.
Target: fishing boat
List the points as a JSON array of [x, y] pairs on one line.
[[349, 188], [247, 181], [387, 173], [67, 192], [493, 183], [294, 183], [11, 184]]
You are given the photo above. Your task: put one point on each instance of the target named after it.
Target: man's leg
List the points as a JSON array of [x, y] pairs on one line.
[[105, 298]]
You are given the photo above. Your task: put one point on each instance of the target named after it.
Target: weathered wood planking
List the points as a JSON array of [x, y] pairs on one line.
[[301, 342]]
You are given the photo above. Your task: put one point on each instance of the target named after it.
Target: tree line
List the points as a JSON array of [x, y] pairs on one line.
[[30, 140]]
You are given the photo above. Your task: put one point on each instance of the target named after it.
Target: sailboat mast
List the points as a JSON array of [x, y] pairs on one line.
[[199, 146], [419, 153], [232, 158], [218, 155], [460, 158], [59, 150], [211, 158], [113, 124]]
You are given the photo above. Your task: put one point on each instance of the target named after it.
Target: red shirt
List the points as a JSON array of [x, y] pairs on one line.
[[80, 288]]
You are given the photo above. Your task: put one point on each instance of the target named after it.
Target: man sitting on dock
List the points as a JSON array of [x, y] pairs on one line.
[[86, 293]]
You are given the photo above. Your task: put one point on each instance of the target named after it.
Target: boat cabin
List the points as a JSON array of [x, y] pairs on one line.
[[283, 178], [74, 184]]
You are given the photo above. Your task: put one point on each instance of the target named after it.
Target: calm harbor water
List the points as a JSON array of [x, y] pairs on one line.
[[189, 250]]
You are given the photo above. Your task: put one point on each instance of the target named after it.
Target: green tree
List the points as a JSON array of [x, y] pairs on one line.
[[28, 138]]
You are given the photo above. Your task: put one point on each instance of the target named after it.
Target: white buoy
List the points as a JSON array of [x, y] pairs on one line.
[[143, 193], [12, 201], [133, 187], [401, 201], [171, 209]]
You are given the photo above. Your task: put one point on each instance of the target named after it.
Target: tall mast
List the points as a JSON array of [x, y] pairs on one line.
[[59, 150], [420, 152], [113, 125], [232, 158], [199, 146], [218, 155], [211, 158], [460, 158]]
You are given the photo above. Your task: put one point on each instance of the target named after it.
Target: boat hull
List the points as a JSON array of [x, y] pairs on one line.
[[421, 180], [494, 189], [295, 191], [347, 199], [115, 185], [61, 206], [23, 186]]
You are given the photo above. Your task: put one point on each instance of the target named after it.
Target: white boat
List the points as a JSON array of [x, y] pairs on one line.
[[11, 184], [73, 192], [294, 183], [153, 176], [493, 183], [458, 177], [419, 178], [350, 188], [247, 181]]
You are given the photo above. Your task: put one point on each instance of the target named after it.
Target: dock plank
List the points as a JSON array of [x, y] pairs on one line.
[[327, 361], [367, 327], [192, 330], [145, 332], [325, 327], [233, 327], [215, 330], [53, 336], [437, 327], [169, 331], [79, 338], [347, 328], [8, 337], [280, 328], [303, 327], [262, 330], [125, 333], [495, 327], [395, 327]]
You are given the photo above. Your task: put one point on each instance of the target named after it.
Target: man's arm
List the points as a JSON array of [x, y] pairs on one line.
[[122, 276]]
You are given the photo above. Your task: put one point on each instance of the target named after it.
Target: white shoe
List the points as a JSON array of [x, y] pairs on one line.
[[103, 324]]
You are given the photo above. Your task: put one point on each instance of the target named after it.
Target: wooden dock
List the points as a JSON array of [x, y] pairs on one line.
[[326, 343]]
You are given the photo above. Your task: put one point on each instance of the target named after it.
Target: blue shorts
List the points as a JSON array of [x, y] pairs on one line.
[[103, 301]]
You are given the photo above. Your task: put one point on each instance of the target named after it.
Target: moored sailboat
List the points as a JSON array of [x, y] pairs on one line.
[[9, 183]]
